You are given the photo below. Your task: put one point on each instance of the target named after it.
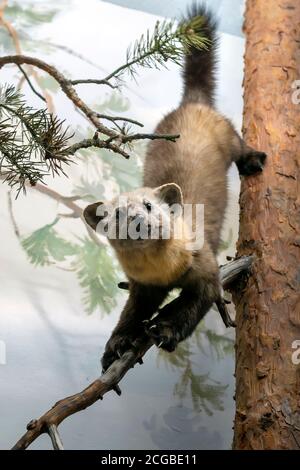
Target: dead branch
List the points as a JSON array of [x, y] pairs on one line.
[[119, 118], [94, 142], [64, 408], [55, 437], [130, 138], [93, 80]]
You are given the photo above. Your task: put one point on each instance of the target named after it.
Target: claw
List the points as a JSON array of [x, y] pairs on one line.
[[153, 326], [117, 389], [119, 354], [145, 321], [154, 315], [160, 344], [221, 305], [260, 166]]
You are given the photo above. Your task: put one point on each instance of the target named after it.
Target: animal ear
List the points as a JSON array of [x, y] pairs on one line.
[[170, 193], [94, 213]]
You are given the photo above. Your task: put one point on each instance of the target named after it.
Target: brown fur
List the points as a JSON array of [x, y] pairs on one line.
[[198, 164], [161, 265]]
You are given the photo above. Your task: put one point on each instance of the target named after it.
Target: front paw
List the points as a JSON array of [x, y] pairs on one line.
[[116, 346], [163, 333]]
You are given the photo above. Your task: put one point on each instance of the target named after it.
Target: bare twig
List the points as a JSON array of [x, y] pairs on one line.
[[12, 216], [76, 210], [108, 381], [94, 142], [55, 437], [95, 81], [129, 138], [119, 118], [30, 84]]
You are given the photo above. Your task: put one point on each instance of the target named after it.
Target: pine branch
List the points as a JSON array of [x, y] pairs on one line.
[[167, 43], [31, 142], [35, 143], [64, 83]]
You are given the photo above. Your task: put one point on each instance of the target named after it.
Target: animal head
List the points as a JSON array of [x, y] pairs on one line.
[[137, 219]]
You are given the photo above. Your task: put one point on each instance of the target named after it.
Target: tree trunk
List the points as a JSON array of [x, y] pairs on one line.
[[267, 302]]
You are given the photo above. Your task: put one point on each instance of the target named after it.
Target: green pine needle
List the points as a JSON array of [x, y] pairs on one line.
[[169, 42], [32, 142]]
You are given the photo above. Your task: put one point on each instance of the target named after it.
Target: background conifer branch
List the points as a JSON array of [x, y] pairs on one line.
[[34, 143]]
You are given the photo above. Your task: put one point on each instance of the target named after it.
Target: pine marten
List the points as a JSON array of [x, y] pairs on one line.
[[191, 171]]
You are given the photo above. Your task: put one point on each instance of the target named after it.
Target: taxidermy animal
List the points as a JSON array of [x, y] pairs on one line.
[[191, 171]]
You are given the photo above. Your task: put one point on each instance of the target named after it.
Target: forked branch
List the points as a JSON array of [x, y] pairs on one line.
[[49, 421]]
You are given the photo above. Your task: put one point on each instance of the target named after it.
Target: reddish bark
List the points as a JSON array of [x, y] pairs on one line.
[[268, 302]]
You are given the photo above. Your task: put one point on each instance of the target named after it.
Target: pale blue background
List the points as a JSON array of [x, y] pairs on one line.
[[229, 12], [53, 346]]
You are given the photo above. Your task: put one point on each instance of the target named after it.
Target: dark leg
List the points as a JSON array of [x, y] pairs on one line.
[[178, 319], [142, 303]]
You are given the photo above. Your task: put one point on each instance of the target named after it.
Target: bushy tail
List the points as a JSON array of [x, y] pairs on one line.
[[200, 64]]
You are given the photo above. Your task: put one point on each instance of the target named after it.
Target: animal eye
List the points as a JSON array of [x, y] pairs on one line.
[[148, 206]]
